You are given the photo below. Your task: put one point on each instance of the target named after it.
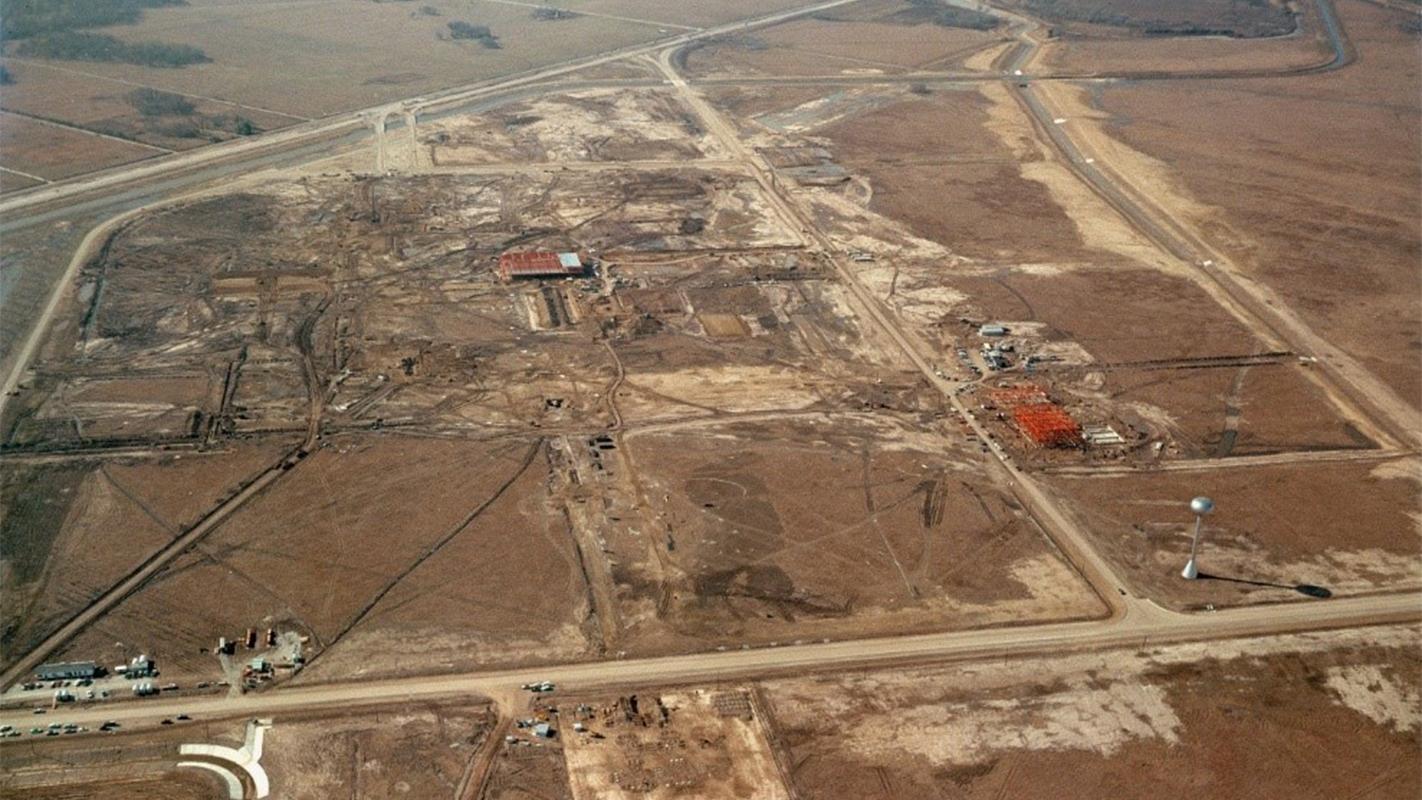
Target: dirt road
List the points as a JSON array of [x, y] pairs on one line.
[[1062, 530]]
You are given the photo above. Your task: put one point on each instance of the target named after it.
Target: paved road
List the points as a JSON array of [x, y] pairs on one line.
[[1393, 420], [1142, 626], [361, 119], [40, 201], [1229, 462], [1134, 623]]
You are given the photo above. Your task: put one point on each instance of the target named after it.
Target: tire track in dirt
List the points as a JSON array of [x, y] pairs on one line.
[[430, 551]]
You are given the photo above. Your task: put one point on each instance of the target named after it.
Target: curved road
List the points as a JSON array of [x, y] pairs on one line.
[[1135, 622]]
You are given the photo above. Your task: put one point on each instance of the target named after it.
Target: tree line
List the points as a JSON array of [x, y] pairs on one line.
[[58, 29]]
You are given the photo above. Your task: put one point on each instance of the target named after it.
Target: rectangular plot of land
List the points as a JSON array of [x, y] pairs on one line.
[[669, 746], [823, 529], [723, 326], [53, 152]]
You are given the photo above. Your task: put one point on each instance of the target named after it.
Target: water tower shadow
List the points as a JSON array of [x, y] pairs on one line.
[[1321, 592]]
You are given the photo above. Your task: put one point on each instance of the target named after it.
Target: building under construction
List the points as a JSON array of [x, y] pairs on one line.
[[1034, 414], [540, 265]]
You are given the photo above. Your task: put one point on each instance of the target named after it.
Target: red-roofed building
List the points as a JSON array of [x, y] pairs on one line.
[[539, 265]]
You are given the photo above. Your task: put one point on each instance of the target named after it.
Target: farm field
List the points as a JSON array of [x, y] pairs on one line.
[[294, 59], [866, 38], [77, 94], [1335, 236], [694, 15], [52, 152], [1307, 47]]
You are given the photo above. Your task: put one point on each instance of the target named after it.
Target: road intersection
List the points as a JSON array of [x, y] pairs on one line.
[[1133, 621]]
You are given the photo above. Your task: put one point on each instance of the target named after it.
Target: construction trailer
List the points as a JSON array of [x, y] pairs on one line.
[[1102, 436], [67, 670]]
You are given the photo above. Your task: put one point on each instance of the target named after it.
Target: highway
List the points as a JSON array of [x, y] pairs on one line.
[[1073, 542], [360, 120], [1353, 387], [1133, 621]]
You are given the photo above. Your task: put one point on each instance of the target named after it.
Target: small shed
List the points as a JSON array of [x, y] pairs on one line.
[[992, 329]]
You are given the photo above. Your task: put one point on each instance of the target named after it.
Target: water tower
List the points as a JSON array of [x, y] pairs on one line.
[[1202, 506]]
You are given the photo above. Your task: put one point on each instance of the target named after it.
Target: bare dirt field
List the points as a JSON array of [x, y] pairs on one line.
[[359, 561], [1325, 715], [53, 152], [163, 785], [528, 772], [702, 743], [1333, 234], [996, 193], [594, 125], [744, 104], [72, 529], [31, 259], [410, 751], [903, 538], [1352, 528]]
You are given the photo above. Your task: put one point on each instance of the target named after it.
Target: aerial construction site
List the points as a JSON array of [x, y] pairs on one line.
[[865, 398]]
